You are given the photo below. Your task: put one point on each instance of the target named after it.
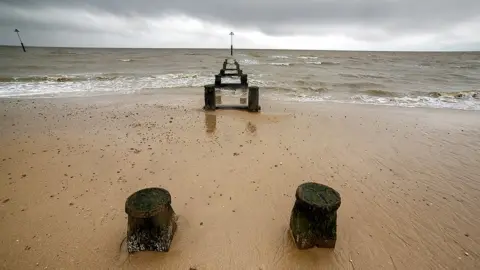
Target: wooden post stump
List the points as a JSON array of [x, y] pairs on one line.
[[244, 79], [253, 97], [151, 220], [222, 72], [313, 221], [225, 64], [218, 80], [210, 104]]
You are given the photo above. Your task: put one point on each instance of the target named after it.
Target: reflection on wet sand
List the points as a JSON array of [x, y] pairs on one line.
[[210, 122]]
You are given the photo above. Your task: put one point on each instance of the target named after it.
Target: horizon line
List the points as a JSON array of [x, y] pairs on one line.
[[228, 49]]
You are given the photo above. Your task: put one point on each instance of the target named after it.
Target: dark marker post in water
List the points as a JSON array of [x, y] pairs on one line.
[[231, 43], [18, 34]]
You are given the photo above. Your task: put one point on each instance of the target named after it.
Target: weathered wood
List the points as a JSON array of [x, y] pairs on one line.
[[236, 107], [218, 80], [313, 221], [222, 72], [210, 103], [244, 79], [253, 98], [151, 220], [232, 85]]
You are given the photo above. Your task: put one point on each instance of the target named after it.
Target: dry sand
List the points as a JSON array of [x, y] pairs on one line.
[[409, 181]]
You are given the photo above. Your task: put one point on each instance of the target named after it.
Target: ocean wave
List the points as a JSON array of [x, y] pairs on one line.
[[467, 66], [279, 57], [308, 57], [369, 99], [203, 54], [361, 76], [317, 89], [281, 64], [439, 95], [248, 62], [125, 60], [93, 83], [255, 54], [380, 93], [322, 63], [456, 95], [55, 78], [358, 85], [419, 101], [63, 52]]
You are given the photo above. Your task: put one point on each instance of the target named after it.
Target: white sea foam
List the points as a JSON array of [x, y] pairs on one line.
[[308, 57], [279, 57], [100, 83], [280, 64], [249, 62], [411, 102], [322, 63]]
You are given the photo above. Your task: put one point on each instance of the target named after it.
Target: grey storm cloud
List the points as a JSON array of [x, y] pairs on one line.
[[364, 20], [393, 14]]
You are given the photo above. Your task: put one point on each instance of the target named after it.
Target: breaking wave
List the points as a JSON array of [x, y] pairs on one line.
[[466, 100], [57, 78], [279, 57], [248, 62], [281, 64], [322, 63], [361, 76], [87, 84], [445, 96], [419, 101], [359, 85]]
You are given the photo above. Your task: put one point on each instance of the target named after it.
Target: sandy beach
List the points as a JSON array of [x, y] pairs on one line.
[[408, 177]]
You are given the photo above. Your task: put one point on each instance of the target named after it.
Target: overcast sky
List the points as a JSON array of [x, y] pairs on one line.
[[269, 24]]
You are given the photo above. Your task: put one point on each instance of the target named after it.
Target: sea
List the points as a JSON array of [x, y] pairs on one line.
[[444, 80]]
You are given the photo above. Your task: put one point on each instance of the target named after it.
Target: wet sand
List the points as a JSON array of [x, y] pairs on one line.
[[409, 181]]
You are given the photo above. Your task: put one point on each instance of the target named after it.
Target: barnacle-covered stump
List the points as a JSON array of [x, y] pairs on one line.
[[313, 221], [151, 220]]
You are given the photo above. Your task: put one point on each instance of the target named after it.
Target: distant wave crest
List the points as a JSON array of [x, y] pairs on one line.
[[322, 63], [281, 64], [308, 57], [279, 57]]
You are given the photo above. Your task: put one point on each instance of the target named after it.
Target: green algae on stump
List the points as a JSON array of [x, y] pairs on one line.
[[151, 220], [313, 221]]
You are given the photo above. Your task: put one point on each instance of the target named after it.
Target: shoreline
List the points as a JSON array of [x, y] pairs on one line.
[[407, 176], [197, 93]]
